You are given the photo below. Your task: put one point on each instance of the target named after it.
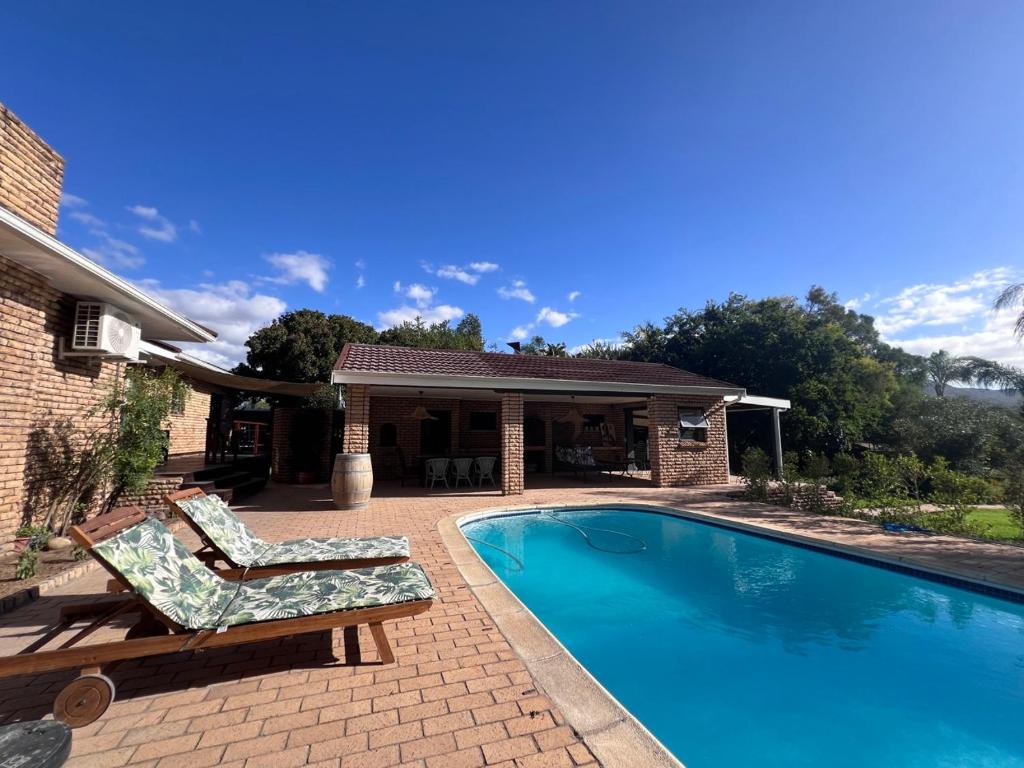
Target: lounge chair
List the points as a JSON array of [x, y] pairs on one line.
[[185, 607], [580, 461], [227, 538]]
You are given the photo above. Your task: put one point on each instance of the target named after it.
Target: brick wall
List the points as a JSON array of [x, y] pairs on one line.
[[37, 389], [686, 462], [512, 483], [31, 173], [188, 428]]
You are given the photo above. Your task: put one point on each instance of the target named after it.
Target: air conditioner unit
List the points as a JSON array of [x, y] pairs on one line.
[[104, 330]]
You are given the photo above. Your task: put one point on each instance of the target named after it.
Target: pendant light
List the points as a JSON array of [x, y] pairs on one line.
[[420, 413], [573, 415]]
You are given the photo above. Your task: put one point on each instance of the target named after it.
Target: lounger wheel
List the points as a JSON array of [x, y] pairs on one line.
[[84, 700]]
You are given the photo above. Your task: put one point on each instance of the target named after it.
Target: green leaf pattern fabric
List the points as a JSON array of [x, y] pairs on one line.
[[172, 579], [175, 582], [245, 549]]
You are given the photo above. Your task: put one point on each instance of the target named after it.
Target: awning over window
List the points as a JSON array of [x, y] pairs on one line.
[[692, 418]]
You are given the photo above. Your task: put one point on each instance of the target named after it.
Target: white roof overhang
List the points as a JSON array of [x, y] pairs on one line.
[[500, 384], [756, 402], [72, 273]]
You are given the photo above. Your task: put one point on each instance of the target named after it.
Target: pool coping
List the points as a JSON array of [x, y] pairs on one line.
[[609, 730]]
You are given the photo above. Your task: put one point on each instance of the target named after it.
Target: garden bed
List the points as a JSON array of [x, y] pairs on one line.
[[49, 565]]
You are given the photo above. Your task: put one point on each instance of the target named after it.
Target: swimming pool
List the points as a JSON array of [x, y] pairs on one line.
[[740, 650]]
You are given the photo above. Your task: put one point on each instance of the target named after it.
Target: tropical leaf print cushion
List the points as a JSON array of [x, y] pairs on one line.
[[221, 526], [175, 582], [317, 550], [167, 575], [317, 592], [233, 538]]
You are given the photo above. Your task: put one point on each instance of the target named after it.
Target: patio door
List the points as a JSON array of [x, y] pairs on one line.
[[436, 434]]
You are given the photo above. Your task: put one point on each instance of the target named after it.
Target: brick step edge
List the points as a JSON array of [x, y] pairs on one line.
[[50, 583]]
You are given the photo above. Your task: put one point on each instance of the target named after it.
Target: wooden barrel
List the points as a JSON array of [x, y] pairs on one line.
[[352, 481]]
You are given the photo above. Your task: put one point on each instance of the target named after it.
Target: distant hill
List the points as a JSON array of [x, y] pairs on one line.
[[990, 396]]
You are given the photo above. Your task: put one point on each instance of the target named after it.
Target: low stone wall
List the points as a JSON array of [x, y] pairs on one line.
[[152, 498], [804, 496]]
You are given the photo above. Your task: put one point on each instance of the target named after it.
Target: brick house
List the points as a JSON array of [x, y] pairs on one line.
[[41, 282], [529, 410]]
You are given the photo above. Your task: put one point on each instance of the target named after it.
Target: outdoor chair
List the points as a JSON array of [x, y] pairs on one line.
[[485, 469], [227, 538], [462, 467], [437, 469], [184, 606]]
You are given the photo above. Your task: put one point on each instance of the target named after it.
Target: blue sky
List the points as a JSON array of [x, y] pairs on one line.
[[569, 169]]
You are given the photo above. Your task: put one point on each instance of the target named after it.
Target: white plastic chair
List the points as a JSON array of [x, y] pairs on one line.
[[437, 469], [462, 467], [485, 467]]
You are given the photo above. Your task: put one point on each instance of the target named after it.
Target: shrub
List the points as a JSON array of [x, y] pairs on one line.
[[27, 562], [756, 474]]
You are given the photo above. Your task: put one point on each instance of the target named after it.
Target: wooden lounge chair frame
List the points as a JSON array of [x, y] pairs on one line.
[[87, 697], [210, 553]]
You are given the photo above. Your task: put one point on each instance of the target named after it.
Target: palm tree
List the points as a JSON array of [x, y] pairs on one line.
[[943, 368], [989, 373], [1010, 297]]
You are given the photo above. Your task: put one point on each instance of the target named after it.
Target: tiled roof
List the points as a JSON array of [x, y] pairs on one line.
[[371, 358]]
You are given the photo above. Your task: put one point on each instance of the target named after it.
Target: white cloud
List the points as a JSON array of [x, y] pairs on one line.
[[520, 332], [956, 317], [554, 318], [613, 343], [300, 267], [113, 252], [483, 266], [86, 218], [451, 272], [573, 295], [231, 309], [360, 282], [194, 228], [155, 226], [68, 200], [517, 290], [360, 278], [406, 313], [420, 294], [360, 264], [993, 341], [938, 304]]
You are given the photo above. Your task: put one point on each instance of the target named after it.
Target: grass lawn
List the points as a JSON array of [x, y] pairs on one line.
[[1002, 525]]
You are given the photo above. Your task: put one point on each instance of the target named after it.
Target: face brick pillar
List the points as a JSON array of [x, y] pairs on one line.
[[512, 444], [357, 419], [686, 462], [31, 173]]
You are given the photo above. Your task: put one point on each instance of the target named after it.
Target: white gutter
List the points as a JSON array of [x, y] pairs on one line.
[[516, 384], [55, 247], [758, 401]]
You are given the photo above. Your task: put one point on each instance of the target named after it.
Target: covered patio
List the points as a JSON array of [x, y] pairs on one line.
[[534, 416]]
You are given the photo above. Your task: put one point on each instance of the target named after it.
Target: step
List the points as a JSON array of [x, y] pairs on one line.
[[230, 481], [248, 488], [213, 472]]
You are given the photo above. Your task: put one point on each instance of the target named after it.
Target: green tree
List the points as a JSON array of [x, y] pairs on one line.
[[467, 334], [1012, 297], [139, 410], [302, 346], [818, 354], [943, 368]]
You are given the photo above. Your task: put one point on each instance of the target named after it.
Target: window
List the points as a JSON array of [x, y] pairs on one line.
[[178, 400], [592, 422], [388, 436], [483, 421], [693, 424]]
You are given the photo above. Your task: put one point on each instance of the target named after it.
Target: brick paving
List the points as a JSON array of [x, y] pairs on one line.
[[457, 696]]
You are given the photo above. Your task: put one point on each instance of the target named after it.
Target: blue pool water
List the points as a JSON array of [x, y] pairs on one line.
[[736, 650]]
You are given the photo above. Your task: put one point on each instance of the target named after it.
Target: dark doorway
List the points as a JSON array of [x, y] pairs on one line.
[[637, 449], [436, 434]]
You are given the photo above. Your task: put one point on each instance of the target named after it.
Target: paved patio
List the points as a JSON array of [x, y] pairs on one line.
[[457, 696]]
